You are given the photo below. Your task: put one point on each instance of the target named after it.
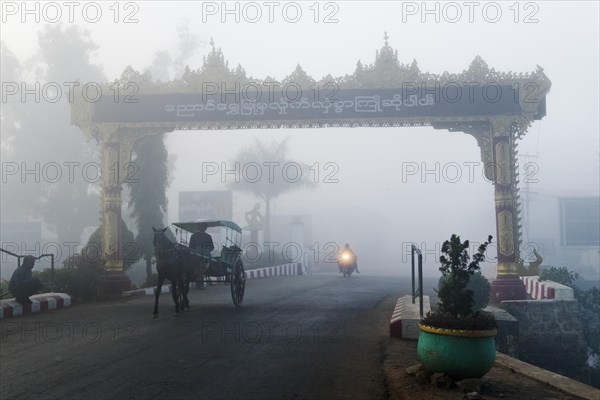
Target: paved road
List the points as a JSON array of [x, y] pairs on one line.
[[293, 338]]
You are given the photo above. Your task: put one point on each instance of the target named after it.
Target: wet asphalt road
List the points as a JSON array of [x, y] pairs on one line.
[[315, 337]]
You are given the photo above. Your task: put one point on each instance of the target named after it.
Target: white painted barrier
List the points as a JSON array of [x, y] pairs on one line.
[[277, 270], [546, 290], [39, 303]]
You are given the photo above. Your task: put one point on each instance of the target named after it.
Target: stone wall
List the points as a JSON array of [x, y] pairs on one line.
[[507, 338], [550, 334]]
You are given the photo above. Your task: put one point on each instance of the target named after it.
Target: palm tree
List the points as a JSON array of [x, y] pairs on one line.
[[278, 175]]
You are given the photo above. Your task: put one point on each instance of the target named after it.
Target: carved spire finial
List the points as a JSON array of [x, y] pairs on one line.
[[386, 55]]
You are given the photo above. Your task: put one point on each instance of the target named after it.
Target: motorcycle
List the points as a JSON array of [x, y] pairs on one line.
[[347, 262]]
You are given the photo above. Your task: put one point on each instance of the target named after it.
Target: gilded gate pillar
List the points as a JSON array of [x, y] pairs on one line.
[[115, 281], [507, 285], [117, 146]]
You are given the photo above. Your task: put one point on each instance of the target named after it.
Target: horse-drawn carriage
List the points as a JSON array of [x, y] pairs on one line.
[[182, 265]]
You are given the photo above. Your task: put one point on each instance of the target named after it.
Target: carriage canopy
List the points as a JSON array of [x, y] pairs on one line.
[[195, 226]]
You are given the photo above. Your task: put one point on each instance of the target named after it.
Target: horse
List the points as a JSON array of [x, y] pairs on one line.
[[177, 263], [190, 268], [170, 265]]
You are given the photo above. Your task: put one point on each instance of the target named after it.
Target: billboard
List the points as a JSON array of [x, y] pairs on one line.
[[217, 204], [580, 221]]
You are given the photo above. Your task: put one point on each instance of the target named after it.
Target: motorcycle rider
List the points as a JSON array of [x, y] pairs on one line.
[[347, 249]]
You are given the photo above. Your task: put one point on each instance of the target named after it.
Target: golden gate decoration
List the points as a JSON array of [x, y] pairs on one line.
[[497, 108]]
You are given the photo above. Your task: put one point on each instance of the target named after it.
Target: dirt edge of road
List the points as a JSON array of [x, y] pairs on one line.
[[501, 382]]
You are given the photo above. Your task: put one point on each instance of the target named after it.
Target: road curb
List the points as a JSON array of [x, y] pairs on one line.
[[406, 317], [146, 291], [40, 302], [294, 269], [560, 382], [557, 381]]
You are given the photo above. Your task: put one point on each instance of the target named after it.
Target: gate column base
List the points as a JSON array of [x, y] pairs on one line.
[[507, 288], [113, 283]]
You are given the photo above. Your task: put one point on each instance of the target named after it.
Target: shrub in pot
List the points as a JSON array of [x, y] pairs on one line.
[[458, 338]]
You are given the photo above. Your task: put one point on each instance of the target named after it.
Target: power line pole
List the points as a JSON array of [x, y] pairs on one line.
[[530, 168]]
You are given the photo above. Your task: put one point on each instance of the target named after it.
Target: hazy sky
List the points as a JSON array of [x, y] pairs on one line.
[[371, 207]]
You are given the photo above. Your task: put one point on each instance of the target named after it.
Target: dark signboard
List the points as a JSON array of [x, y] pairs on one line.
[[580, 221], [216, 204], [253, 104]]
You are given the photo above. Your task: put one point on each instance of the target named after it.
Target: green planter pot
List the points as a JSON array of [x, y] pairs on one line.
[[459, 353]]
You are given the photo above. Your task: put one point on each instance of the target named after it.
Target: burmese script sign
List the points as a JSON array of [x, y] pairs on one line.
[[297, 105]]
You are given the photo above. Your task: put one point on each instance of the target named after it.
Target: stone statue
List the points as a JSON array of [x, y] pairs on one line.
[[255, 222], [534, 266], [254, 218]]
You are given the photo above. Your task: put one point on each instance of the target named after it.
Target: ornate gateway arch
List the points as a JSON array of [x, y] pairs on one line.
[[495, 107]]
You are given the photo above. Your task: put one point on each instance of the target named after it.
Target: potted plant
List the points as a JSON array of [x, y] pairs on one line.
[[458, 338]]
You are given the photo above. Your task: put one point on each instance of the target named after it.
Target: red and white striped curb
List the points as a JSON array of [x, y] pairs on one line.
[[146, 291], [39, 303], [406, 317], [278, 270], [546, 290]]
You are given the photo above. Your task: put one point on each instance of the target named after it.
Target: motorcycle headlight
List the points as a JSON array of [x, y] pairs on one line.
[[345, 256]]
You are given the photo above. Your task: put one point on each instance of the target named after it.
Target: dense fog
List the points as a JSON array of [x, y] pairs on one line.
[[378, 189]]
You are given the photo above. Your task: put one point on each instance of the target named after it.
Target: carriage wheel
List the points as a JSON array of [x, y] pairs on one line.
[[238, 283]]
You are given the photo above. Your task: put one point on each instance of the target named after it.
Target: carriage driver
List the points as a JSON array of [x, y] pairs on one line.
[[202, 242]]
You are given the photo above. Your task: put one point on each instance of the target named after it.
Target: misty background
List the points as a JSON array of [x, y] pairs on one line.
[[372, 206]]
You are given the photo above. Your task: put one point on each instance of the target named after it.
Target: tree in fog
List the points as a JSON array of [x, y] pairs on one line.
[[39, 136], [148, 199], [147, 191], [277, 175], [167, 66]]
